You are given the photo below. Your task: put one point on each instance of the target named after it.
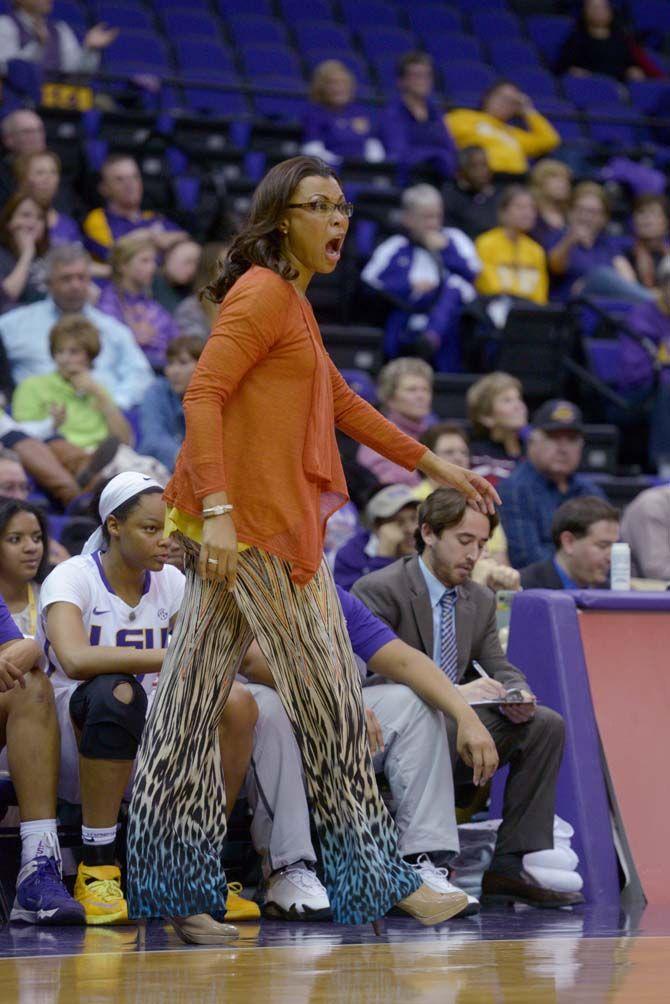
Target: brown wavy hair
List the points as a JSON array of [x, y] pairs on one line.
[[259, 240]]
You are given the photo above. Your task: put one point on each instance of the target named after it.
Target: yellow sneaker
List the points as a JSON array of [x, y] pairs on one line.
[[238, 908], [98, 889]]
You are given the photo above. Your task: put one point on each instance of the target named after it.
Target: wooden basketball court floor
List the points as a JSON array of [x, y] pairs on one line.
[[504, 956]]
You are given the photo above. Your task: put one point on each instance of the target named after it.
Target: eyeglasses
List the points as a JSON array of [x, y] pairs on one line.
[[323, 207]]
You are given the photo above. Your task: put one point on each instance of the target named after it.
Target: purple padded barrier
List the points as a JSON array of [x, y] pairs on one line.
[[545, 643], [605, 599]]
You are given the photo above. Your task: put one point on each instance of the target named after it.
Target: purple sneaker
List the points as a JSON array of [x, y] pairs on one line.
[[41, 897]]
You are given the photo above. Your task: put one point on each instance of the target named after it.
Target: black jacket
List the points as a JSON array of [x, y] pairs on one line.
[[541, 575]]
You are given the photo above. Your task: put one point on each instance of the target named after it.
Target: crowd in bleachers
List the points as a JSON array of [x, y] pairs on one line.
[[509, 255]]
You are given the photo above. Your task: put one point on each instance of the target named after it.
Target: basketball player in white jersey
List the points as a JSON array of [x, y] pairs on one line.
[[105, 621]]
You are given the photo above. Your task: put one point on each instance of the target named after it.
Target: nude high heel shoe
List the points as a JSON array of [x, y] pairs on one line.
[[201, 929]]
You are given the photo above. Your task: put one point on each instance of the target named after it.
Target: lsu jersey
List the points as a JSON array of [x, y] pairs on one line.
[[108, 620]]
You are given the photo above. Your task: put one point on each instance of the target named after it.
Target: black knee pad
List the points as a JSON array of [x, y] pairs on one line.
[[110, 729]]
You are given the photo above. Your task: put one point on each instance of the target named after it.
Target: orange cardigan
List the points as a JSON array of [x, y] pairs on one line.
[[261, 411]]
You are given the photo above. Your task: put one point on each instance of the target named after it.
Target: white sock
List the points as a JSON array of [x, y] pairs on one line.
[[103, 835], [34, 839]]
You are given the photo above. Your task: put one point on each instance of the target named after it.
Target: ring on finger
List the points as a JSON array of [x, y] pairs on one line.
[[212, 561]]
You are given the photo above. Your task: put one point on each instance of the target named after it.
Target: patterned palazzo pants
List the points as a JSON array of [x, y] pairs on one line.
[[177, 820]]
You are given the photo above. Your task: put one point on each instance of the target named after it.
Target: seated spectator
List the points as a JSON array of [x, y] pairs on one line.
[[598, 44], [340, 527], [335, 128], [127, 297], [448, 441], [39, 175], [29, 33], [173, 281], [405, 392], [498, 415], [548, 477], [29, 735], [22, 134], [162, 423], [412, 129], [513, 264], [471, 199], [24, 241], [390, 517], [427, 273], [84, 411], [122, 189], [429, 601], [23, 561], [195, 314], [582, 532], [645, 525], [650, 238], [14, 482], [584, 258], [643, 369], [121, 366], [508, 147], [551, 187]]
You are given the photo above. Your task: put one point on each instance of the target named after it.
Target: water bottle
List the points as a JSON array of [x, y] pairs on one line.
[[620, 567]]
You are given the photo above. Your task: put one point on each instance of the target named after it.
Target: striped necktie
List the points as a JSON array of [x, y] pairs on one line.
[[448, 650]]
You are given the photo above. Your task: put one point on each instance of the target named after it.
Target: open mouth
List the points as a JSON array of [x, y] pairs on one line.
[[334, 248]]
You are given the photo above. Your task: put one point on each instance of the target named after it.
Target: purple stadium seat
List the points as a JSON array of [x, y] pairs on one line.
[[162, 5], [394, 41], [256, 29], [369, 13], [508, 54], [555, 109], [534, 81], [203, 58], [125, 16], [428, 17], [261, 60], [593, 90], [491, 5], [226, 104], [602, 129], [549, 32], [294, 10], [73, 14], [444, 46], [602, 358], [385, 65], [495, 24], [463, 77], [279, 106], [645, 95], [181, 21], [651, 19], [140, 51], [321, 35]]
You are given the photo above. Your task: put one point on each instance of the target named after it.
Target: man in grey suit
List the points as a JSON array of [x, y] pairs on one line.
[[431, 603]]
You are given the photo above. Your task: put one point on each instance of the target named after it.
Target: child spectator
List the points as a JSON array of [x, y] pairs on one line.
[[427, 274], [471, 200], [162, 423], [24, 240], [513, 264], [405, 391], [39, 175], [507, 146], [84, 412], [551, 186], [498, 415], [584, 258], [335, 127], [127, 297], [23, 561], [412, 129]]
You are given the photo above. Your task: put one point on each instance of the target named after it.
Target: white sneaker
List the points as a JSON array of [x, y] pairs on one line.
[[437, 879], [295, 893]]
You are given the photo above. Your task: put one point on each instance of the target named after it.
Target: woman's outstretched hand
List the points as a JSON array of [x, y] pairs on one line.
[[480, 493], [218, 551]]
